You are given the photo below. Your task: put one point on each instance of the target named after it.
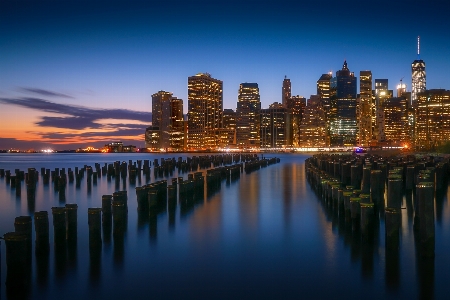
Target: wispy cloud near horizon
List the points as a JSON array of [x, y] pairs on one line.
[[43, 92], [76, 117], [79, 125]]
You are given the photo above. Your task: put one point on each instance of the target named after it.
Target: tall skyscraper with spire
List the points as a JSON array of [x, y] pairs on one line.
[[419, 78], [342, 114]]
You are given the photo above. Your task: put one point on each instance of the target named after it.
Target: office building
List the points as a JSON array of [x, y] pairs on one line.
[[342, 114], [396, 128], [364, 109], [432, 126], [157, 103], [273, 126], [286, 91], [381, 93], [167, 117], [248, 118], [229, 127], [176, 125], [312, 130], [401, 89], [295, 106], [324, 92], [205, 107]]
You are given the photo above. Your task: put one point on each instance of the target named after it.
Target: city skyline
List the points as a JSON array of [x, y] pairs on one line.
[[75, 76]]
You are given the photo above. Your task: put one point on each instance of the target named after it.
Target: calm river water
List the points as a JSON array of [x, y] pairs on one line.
[[266, 235]]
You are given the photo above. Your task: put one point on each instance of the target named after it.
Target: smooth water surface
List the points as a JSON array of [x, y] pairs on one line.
[[266, 235]]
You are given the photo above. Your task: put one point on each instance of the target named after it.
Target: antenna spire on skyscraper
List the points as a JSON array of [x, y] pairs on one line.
[[418, 47]]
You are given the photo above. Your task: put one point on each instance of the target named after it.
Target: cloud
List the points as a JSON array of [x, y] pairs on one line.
[[78, 126], [78, 117], [46, 93], [76, 123], [135, 131]]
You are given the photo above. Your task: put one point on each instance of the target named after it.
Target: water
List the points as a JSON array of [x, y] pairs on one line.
[[266, 235]]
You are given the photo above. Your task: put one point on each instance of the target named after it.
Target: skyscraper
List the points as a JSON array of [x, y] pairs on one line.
[[248, 119], [365, 108], [419, 78], [273, 126], [324, 92], [229, 127], [401, 89], [157, 102], [286, 92], [342, 115], [396, 127], [205, 106], [167, 121], [432, 118], [313, 125], [381, 94], [176, 125], [295, 107]]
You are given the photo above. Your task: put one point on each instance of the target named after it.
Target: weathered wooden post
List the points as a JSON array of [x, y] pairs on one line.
[[365, 186], [395, 187], [23, 225], [392, 223], [425, 198], [41, 227], [95, 224], [18, 265], [355, 212], [367, 221]]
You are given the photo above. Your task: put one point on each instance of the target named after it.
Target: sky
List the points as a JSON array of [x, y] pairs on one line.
[[81, 73]]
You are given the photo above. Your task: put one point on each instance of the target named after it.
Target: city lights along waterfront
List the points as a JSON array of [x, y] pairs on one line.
[[227, 226]]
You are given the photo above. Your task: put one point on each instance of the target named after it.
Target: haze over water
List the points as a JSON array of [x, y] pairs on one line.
[[265, 235]]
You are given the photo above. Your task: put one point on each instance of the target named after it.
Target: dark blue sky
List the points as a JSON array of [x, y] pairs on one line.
[[115, 55]]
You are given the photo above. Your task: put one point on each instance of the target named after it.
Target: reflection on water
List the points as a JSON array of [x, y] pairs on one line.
[[263, 234]]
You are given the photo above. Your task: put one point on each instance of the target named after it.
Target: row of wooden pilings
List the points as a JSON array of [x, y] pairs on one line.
[[112, 216], [163, 167], [356, 187]]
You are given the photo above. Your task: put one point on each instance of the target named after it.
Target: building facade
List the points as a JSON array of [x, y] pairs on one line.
[[167, 117], [381, 93], [364, 109], [158, 100], [229, 126], [295, 106], [248, 116], [396, 128], [324, 94], [286, 91], [313, 127], [205, 107], [342, 114], [273, 126], [176, 125], [432, 126]]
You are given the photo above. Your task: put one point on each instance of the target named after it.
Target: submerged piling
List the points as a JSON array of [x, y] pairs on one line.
[[95, 225], [425, 198], [392, 230], [41, 227]]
